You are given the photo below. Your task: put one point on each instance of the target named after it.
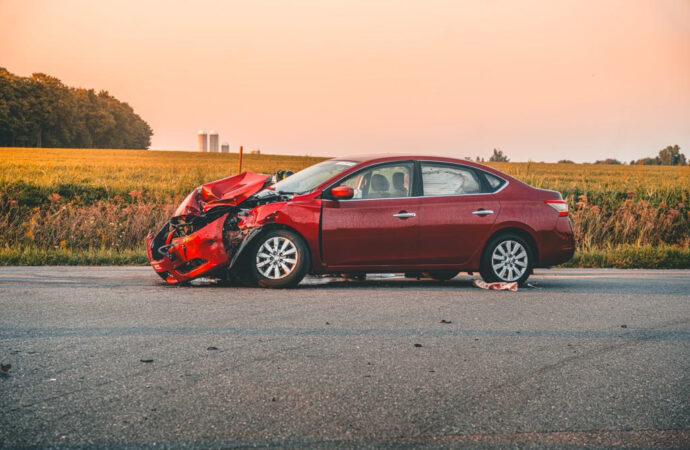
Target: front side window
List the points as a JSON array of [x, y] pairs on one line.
[[440, 179], [389, 181]]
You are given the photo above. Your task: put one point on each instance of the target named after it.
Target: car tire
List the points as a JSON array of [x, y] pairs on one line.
[[442, 275], [278, 259], [507, 258]]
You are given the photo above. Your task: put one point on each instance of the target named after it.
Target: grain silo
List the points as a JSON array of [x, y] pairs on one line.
[[213, 141], [202, 141], [225, 148]]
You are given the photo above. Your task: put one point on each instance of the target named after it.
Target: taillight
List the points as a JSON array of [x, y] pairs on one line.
[[559, 205]]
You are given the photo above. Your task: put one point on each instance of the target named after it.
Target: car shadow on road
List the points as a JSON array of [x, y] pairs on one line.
[[614, 284], [390, 282]]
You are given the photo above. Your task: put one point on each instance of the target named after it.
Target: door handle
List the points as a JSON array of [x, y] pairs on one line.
[[482, 212], [404, 215]]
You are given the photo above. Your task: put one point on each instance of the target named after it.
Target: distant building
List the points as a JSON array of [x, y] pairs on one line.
[[225, 148], [213, 141], [255, 152], [202, 141]]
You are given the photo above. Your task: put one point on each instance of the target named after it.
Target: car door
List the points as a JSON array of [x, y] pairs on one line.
[[379, 226], [456, 213]]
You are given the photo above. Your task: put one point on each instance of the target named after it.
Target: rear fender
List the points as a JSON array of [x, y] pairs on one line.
[[518, 228]]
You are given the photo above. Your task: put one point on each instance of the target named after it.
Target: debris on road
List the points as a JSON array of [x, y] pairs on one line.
[[624, 326], [203, 281], [5, 367], [211, 348], [146, 360], [418, 345], [445, 321], [498, 286]]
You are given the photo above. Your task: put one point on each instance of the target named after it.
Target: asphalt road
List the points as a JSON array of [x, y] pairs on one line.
[[110, 357]]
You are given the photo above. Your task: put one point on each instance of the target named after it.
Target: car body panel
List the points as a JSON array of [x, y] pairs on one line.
[[365, 232], [217, 222], [191, 256], [449, 229], [301, 214], [226, 191]]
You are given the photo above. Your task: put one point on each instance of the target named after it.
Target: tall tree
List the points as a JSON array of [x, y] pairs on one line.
[[498, 156], [671, 156]]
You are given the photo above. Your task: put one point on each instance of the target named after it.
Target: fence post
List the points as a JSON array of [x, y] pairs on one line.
[[239, 167]]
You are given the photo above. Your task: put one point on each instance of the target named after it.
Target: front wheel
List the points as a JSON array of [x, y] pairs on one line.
[[279, 259], [507, 258]]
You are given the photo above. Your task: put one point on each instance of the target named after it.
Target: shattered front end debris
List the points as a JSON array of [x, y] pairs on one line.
[[205, 234]]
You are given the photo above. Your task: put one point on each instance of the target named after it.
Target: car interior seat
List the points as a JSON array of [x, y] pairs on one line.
[[399, 189], [379, 186]]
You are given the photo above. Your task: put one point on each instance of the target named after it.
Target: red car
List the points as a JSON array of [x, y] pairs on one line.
[[420, 214]]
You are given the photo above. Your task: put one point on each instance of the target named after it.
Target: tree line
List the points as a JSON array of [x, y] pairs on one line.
[[668, 156], [40, 111]]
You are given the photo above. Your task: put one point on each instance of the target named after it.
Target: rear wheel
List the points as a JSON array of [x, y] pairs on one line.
[[278, 259], [507, 258]]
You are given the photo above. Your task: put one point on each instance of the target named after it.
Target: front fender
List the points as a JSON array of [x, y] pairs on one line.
[[299, 215]]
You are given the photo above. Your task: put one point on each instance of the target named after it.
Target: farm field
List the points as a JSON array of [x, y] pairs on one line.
[[75, 206]]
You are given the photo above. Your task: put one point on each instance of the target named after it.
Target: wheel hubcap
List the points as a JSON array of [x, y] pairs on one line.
[[509, 260], [277, 258]]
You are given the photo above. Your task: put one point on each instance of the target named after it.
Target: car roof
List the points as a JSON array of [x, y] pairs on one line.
[[383, 157]]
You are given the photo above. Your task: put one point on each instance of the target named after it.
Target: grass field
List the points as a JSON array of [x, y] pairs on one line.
[[70, 206]]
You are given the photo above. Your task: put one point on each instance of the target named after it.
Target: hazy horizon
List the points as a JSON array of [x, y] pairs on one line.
[[539, 80]]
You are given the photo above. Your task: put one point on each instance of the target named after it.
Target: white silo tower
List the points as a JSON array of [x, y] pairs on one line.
[[202, 141], [213, 141], [225, 148]]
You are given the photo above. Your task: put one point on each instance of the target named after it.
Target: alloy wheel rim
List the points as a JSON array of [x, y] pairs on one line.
[[277, 258], [509, 260]]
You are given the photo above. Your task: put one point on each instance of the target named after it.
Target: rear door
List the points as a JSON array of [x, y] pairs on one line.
[[379, 226], [456, 213]]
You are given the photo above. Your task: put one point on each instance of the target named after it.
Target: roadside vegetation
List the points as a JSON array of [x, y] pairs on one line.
[[62, 206]]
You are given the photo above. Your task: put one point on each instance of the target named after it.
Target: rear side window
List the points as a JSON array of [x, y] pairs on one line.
[[494, 182], [441, 179]]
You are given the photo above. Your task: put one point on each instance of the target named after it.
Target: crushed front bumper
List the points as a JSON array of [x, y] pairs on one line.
[[182, 259]]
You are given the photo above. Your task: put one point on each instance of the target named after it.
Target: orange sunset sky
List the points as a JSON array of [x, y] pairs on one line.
[[541, 80]]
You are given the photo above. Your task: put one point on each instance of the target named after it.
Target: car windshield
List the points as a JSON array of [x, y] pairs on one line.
[[307, 179]]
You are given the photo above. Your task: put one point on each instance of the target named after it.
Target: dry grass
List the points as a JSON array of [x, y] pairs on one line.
[[59, 202], [159, 175]]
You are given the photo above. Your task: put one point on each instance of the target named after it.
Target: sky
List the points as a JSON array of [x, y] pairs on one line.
[[541, 80]]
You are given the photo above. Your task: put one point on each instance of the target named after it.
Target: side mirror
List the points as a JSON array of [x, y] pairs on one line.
[[342, 192]]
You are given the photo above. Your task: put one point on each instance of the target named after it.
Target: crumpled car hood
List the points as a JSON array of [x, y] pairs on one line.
[[227, 191]]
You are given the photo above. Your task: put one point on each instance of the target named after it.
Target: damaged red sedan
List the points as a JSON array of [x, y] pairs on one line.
[[432, 215]]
